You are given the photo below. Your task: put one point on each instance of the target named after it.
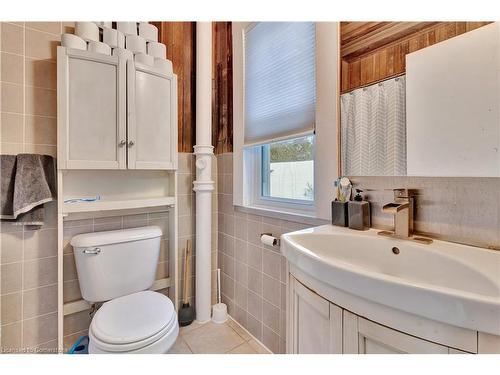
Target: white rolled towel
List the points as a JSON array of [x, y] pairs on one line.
[[113, 38], [148, 31], [104, 24], [142, 58], [87, 31], [99, 47], [128, 28], [123, 53], [73, 41], [135, 43], [157, 50], [163, 65]]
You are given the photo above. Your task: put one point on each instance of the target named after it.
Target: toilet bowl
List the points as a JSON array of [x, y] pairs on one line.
[[118, 268], [143, 322]]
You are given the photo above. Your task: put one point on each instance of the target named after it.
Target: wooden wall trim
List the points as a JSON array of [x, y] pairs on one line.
[[222, 89], [180, 39]]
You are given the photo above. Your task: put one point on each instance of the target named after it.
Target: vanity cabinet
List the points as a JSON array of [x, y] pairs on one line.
[[114, 113], [315, 324]]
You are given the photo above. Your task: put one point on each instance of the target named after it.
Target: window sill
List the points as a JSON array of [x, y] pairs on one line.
[[281, 214]]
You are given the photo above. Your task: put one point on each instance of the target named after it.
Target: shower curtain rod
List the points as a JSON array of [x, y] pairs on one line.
[[374, 83]]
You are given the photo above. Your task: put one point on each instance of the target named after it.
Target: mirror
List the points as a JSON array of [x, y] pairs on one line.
[[420, 99]]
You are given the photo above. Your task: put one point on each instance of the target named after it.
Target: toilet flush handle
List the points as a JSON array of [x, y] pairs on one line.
[[94, 251]]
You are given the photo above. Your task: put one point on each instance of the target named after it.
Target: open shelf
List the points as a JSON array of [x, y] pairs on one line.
[[107, 205]]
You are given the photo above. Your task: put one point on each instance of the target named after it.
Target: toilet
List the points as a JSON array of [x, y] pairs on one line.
[[117, 268]]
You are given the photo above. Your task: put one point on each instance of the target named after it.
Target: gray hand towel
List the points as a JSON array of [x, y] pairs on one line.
[[27, 182]]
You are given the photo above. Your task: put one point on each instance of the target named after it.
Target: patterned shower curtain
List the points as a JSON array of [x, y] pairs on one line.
[[373, 130]]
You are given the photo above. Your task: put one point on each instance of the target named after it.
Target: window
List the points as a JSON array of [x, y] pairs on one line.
[[280, 99], [288, 169], [284, 115]]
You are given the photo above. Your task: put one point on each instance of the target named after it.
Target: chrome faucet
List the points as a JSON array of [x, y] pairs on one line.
[[402, 209]]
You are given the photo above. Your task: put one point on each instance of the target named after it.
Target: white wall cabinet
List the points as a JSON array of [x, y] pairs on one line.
[[152, 118], [315, 324], [92, 107], [114, 114]]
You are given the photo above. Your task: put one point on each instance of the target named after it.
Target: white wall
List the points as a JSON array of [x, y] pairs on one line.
[[452, 101]]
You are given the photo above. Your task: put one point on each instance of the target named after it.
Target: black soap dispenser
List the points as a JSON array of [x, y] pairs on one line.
[[359, 212]]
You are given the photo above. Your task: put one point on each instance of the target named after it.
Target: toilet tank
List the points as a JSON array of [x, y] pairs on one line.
[[116, 263]]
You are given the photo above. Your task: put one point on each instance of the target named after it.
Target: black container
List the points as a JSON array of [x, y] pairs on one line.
[[340, 215]]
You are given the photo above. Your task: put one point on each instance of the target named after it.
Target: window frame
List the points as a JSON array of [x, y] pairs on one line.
[[257, 199], [247, 162]]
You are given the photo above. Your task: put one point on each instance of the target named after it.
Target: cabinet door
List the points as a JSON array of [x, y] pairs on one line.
[[366, 337], [315, 323], [152, 118], [91, 98], [488, 344]]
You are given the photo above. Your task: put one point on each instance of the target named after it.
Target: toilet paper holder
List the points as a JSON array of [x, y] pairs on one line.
[[269, 239]]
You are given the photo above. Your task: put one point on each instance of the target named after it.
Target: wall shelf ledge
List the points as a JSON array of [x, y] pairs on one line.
[[118, 204]]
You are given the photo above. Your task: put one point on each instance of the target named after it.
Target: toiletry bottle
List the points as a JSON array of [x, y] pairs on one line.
[[359, 212]]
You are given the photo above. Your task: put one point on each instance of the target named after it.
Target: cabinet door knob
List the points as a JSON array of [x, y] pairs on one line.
[[122, 143], [130, 143]]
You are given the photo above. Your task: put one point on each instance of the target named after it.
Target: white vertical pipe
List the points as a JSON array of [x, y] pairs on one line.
[[203, 186]]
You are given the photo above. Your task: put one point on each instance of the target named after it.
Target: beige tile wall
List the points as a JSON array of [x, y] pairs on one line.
[[28, 86], [28, 286], [458, 209], [28, 259], [465, 210], [253, 275], [187, 223], [28, 124]]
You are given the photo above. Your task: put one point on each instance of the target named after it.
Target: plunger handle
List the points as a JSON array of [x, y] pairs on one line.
[[186, 267]]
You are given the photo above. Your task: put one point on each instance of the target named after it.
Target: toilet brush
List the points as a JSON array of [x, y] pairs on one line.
[[186, 312], [219, 310]]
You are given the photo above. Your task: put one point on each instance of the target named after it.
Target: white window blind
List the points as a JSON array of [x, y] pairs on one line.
[[280, 80]]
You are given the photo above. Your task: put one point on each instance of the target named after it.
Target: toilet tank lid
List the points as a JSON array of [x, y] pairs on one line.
[[115, 236]]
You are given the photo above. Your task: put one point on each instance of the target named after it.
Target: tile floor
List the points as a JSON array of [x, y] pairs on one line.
[[211, 338]]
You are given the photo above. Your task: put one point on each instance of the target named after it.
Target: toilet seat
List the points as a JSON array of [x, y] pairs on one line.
[[134, 322]]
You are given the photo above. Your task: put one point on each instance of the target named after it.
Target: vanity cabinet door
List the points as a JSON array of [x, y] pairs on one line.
[[315, 324], [91, 101], [362, 336], [488, 344], [152, 118]]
